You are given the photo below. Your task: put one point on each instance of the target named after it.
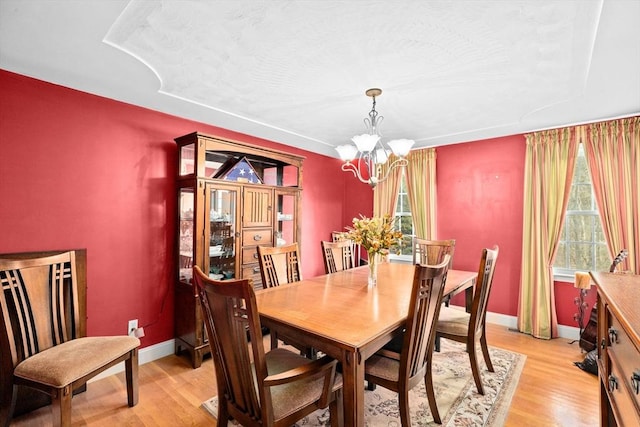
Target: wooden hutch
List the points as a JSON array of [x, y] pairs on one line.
[[232, 197], [618, 348]]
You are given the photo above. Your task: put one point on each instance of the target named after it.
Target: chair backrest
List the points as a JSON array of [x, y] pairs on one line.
[[432, 252], [424, 308], [279, 264], [42, 302], [338, 255], [483, 286], [232, 322]]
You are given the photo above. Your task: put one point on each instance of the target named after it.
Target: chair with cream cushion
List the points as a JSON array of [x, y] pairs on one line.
[[42, 341], [401, 372], [469, 328], [276, 388]]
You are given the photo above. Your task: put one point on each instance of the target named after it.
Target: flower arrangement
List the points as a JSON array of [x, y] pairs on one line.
[[376, 235]]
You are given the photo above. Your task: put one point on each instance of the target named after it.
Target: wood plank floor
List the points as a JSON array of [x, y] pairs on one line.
[[551, 391]]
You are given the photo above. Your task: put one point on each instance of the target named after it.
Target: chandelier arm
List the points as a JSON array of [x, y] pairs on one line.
[[350, 167]]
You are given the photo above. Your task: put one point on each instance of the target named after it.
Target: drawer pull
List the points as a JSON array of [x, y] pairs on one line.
[[257, 237], [255, 256], [635, 382], [256, 270], [613, 336], [613, 383], [603, 344]]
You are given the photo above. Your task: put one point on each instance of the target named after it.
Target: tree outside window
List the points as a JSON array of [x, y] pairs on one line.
[[404, 220], [582, 245]]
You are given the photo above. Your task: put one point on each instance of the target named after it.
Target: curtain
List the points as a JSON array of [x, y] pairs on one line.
[[421, 186], [613, 154], [549, 163], [385, 194]]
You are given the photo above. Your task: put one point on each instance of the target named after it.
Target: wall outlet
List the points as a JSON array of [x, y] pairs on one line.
[[132, 326]]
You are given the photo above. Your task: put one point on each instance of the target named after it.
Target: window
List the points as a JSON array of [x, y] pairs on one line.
[[582, 244], [404, 220]]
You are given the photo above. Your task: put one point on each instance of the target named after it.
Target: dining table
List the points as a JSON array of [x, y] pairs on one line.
[[342, 316]]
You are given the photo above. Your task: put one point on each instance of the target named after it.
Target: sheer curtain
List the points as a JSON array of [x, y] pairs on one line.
[[421, 186], [549, 163], [613, 154], [385, 194]]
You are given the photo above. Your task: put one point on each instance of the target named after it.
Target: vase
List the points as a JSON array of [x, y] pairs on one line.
[[373, 269]]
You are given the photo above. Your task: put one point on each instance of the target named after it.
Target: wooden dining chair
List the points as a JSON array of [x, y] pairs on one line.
[[278, 265], [337, 236], [338, 255], [469, 328], [42, 335], [401, 372], [276, 388], [431, 252]]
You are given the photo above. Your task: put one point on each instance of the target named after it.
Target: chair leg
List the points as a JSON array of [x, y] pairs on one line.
[[485, 353], [131, 372], [436, 346], [61, 406], [475, 369], [431, 395], [274, 339], [403, 400], [7, 402]]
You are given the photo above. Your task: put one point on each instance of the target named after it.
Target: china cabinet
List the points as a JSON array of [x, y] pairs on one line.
[[232, 197]]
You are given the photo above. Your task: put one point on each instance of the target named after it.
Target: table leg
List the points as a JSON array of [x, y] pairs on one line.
[[468, 297], [353, 388]]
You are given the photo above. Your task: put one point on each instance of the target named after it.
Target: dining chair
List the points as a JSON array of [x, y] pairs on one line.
[[401, 372], [469, 328], [276, 388], [278, 265], [338, 255], [42, 335], [337, 236], [431, 252]]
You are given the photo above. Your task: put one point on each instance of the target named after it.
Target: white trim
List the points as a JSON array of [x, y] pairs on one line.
[[166, 348], [145, 355], [511, 322]]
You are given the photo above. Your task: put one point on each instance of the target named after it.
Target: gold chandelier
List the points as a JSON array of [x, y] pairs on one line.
[[366, 157]]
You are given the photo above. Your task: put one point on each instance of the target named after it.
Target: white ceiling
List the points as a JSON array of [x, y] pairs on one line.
[[296, 71]]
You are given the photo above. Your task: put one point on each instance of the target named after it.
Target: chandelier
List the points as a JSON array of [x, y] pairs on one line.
[[366, 157]]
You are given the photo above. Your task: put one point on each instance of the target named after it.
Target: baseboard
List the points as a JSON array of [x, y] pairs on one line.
[[511, 322], [145, 355], [166, 348]]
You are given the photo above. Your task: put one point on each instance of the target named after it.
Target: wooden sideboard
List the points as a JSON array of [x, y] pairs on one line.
[[619, 348]]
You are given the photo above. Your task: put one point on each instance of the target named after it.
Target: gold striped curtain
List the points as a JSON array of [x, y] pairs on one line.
[[385, 194], [549, 163], [613, 154], [421, 186]]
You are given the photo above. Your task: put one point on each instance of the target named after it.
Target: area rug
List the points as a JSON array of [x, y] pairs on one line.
[[458, 400]]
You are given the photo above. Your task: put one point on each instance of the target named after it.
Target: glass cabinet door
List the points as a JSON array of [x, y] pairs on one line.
[[186, 232], [221, 231], [286, 221]]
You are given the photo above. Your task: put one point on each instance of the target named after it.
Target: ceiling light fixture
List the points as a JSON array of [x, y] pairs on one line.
[[366, 158]]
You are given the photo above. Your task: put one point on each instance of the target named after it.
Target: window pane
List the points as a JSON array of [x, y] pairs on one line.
[[561, 256], [580, 256]]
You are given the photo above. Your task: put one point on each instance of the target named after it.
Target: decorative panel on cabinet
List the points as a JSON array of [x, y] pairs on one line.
[[232, 197], [618, 348]]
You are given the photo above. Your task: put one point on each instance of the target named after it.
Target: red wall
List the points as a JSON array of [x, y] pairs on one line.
[[82, 171], [480, 198]]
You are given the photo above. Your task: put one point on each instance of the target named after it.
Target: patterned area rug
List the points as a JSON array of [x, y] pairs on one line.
[[458, 401]]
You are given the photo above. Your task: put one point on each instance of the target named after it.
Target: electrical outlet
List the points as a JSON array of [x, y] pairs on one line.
[[132, 326]]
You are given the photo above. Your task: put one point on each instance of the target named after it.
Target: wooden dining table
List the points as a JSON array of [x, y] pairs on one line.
[[340, 315]]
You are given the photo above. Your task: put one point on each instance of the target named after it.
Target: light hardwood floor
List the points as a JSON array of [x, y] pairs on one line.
[[551, 392]]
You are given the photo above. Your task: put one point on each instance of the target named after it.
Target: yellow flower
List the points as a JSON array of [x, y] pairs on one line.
[[375, 235]]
